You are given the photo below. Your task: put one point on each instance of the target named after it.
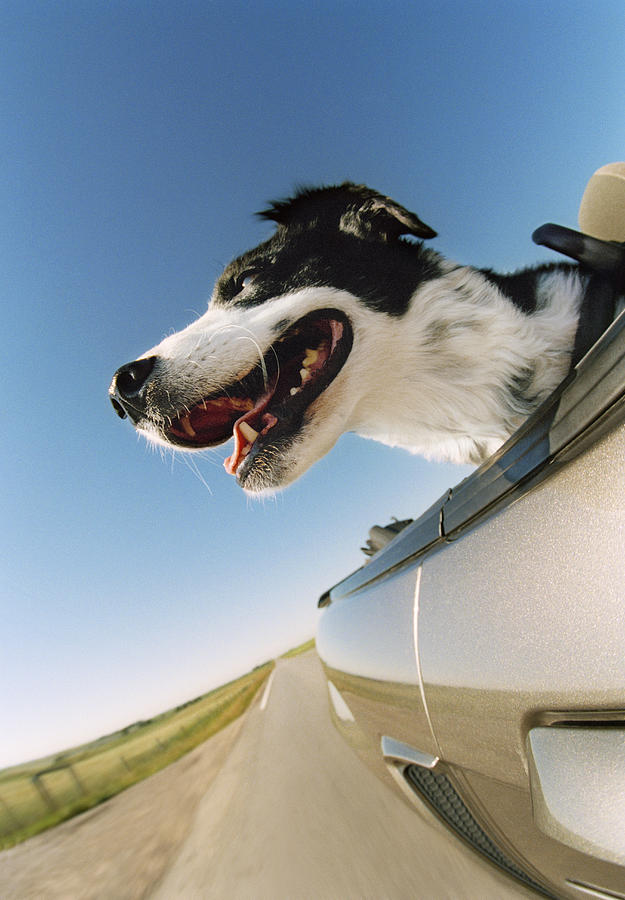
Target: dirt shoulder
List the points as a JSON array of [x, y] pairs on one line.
[[120, 849]]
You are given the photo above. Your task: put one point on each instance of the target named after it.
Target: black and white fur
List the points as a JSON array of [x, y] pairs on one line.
[[445, 360]]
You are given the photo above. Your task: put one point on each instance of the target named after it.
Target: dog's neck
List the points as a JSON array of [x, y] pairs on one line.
[[465, 365]]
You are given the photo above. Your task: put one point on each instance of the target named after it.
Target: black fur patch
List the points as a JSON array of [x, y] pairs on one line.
[[351, 207], [520, 287], [384, 275]]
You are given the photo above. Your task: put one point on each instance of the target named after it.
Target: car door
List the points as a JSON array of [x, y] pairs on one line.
[[480, 657]]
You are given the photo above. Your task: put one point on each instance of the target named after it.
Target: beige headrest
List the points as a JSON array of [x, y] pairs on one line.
[[602, 210]]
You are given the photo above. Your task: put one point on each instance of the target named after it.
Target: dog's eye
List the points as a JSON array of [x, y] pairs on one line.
[[244, 280]]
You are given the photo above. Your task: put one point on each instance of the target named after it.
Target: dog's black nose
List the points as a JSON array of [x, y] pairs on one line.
[[129, 380], [127, 384]]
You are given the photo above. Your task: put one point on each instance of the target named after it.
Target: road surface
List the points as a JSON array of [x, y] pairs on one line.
[[294, 814], [287, 812]]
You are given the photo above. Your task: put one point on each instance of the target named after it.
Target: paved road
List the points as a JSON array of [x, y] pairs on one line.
[[294, 814], [275, 807], [120, 849]]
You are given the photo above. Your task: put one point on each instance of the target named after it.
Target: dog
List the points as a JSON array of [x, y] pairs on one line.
[[344, 320]]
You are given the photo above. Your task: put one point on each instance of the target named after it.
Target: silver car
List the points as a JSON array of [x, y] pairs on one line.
[[479, 657]]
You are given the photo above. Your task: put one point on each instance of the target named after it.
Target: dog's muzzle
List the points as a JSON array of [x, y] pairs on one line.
[[127, 389]]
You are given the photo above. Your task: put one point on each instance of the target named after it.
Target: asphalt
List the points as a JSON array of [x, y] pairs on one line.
[[293, 813], [274, 807]]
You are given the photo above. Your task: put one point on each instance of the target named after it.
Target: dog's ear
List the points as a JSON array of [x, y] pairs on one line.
[[381, 218], [353, 208]]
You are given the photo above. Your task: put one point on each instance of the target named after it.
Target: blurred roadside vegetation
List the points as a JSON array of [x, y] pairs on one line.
[[36, 795]]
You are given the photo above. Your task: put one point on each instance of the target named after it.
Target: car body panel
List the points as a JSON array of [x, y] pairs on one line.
[[383, 669], [493, 627]]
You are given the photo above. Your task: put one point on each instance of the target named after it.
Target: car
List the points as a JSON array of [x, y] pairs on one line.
[[478, 658]]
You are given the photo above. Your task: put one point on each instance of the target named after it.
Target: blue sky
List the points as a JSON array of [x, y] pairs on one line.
[[137, 141]]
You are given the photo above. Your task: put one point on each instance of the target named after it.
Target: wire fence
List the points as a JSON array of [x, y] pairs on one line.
[[33, 798], [59, 791]]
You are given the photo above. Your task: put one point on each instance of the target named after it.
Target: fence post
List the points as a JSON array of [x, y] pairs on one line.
[[45, 795]]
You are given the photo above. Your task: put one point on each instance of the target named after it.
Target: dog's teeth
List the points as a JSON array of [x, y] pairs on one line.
[[305, 375], [294, 391], [310, 358], [187, 427], [248, 432]]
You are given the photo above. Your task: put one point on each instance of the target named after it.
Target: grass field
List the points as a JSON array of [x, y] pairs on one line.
[[42, 793], [303, 648]]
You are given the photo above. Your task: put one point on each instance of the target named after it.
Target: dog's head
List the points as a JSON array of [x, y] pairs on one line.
[[286, 354]]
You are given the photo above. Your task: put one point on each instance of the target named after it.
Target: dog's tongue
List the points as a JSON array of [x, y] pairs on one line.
[[246, 430]]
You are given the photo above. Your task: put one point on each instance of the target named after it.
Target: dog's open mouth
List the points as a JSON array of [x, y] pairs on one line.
[[268, 403]]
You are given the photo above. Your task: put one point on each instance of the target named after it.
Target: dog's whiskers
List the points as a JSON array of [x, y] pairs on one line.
[[249, 336], [193, 467], [260, 355]]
